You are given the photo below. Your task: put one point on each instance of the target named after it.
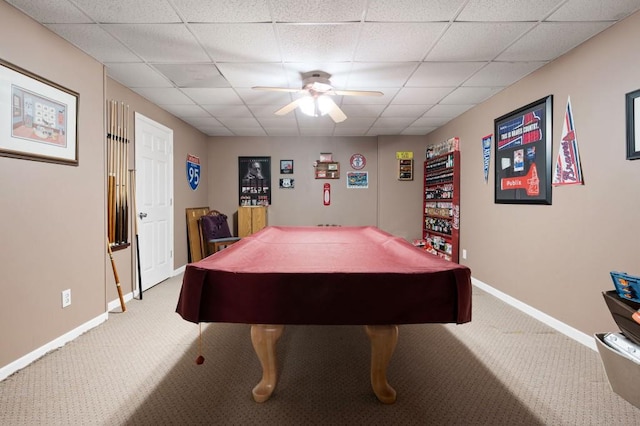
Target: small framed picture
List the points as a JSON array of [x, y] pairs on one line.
[[286, 167], [287, 183]]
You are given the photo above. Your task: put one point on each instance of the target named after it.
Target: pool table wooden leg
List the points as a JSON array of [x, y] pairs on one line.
[[264, 338], [383, 342]]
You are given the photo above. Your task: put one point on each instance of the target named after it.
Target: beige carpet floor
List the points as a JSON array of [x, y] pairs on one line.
[[503, 368]]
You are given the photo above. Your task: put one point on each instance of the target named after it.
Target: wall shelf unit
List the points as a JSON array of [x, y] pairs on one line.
[[441, 205]]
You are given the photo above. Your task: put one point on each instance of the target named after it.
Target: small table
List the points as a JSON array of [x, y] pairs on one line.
[[325, 276]]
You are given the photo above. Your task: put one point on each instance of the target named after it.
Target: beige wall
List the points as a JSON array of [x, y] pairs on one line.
[[52, 220], [557, 258]]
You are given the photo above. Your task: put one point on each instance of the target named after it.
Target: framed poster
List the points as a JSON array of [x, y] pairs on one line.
[[523, 154], [39, 121], [254, 179], [633, 125]]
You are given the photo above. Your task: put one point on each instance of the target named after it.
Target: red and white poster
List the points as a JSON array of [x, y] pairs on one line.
[[568, 170]]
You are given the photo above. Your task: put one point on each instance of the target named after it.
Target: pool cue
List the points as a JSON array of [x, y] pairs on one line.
[[125, 186], [111, 178], [132, 181], [115, 275]]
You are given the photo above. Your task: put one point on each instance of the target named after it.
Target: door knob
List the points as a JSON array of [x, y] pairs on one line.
[[142, 215]]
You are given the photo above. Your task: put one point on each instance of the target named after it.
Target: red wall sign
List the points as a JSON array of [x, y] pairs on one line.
[[326, 194]]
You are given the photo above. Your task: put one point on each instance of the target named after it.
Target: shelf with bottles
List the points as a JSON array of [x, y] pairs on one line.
[[441, 204]]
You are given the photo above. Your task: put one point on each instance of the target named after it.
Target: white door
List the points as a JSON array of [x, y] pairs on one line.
[[154, 199]]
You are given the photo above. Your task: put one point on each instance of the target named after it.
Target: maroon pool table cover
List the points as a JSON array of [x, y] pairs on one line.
[[325, 276]]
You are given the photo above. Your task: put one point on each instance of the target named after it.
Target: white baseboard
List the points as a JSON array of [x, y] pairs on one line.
[[563, 328], [24, 361]]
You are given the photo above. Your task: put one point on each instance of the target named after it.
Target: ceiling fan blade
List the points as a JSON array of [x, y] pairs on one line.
[[277, 89], [357, 93], [334, 111], [289, 107]]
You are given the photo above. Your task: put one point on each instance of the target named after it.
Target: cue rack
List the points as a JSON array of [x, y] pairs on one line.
[[117, 183]]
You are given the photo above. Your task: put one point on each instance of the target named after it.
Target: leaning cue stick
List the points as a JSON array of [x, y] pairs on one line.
[[132, 181], [115, 275]]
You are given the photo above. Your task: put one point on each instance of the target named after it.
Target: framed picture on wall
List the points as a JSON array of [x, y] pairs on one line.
[[40, 120], [633, 125], [523, 154], [286, 167], [254, 178]]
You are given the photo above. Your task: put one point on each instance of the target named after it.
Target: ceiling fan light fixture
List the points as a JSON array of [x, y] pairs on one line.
[[314, 106]]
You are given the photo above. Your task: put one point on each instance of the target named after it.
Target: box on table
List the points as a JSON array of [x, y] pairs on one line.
[[621, 310], [623, 374]]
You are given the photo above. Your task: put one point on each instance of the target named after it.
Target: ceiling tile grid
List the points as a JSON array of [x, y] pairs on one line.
[[431, 59]]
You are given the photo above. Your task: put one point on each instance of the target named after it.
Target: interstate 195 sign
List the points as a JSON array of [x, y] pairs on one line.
[[193, 171]]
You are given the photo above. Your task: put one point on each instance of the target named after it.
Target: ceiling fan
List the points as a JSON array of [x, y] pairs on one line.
[[316, 100]]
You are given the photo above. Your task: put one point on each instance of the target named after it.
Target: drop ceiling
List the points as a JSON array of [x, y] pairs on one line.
[[432, 59]]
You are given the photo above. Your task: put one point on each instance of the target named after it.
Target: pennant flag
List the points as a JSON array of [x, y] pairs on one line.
[[486, 155], [568, 170]]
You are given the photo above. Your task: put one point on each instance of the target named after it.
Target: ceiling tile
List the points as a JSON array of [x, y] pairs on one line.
[[397, 42], [282, 131], [550, 40], [254, 74], [502, 73], [378, 75], [128, 12], [263, 98], [207, 122], [51, 11], [397, 122], [164, 96], [448, 74], [185, 111], [317, 11], [414, 111], [248, 131], [421, 95], [213, 96], [169, 43], [387, 96], [507, 10], [223, 10], [218, 111], [238, 42], [412, 10], [362, 110], [238, 122], [322, 42], [430, 122], [417, 131], [590, 10], [95, 41], [136, 75], [471, 41], [469, 95], [193, 75], [449, 111]]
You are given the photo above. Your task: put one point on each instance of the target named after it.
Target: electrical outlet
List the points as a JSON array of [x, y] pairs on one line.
[[66, 297], [464, 253]]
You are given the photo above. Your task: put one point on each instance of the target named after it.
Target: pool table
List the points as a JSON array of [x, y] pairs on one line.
[[318, 275]]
